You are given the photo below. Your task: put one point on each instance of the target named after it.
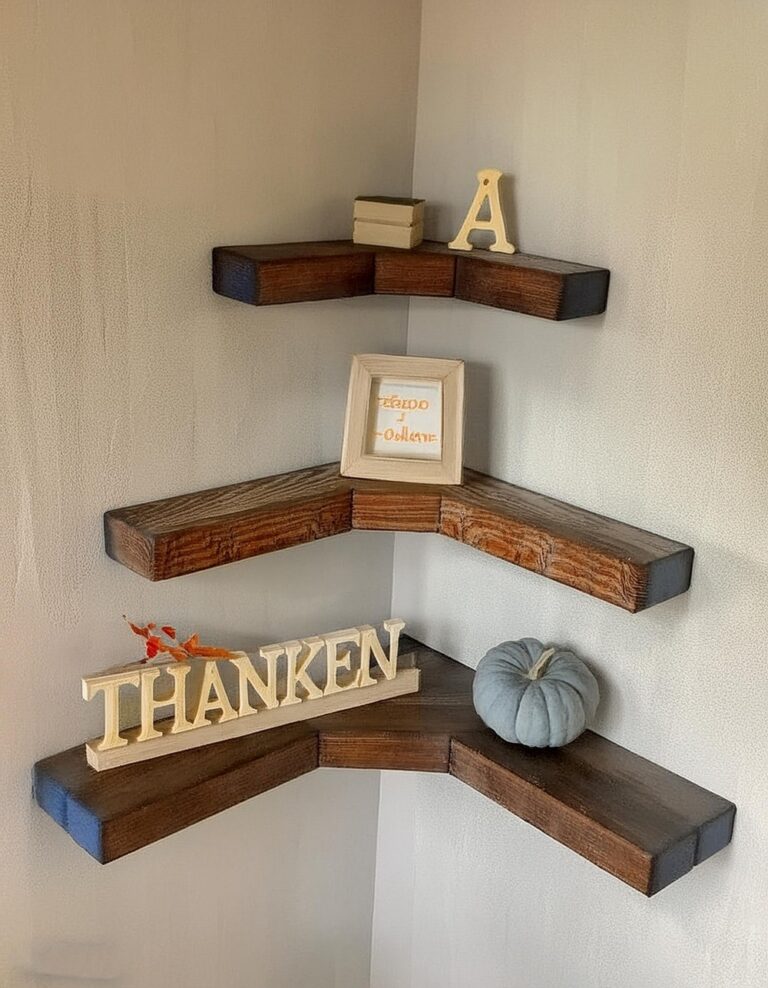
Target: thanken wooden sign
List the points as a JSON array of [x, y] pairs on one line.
[[356, 671]]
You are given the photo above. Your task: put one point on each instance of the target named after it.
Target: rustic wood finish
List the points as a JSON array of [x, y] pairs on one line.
[[192, 532], [113, 813], [274, 273], [610, 806], [625, 814], [533, 285], [414, 273], [618, 563], [380, 506], [622, 565]]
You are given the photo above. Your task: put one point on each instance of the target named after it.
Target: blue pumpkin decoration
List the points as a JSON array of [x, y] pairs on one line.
[[536, 696]]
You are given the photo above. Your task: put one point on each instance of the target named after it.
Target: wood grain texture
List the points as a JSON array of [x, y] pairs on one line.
[[608, 559], [111, 814], [536, 293], [274, 277], [615, 562], [634, 819], [414, 273], [625, 814], [533, 286], [192, 532], [274, 273], [412, 732], [384, 506]]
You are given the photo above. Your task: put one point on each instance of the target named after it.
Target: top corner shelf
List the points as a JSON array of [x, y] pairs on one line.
[[273, 274]]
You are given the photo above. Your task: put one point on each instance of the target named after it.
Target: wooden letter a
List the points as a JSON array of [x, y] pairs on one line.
[[487, 188]]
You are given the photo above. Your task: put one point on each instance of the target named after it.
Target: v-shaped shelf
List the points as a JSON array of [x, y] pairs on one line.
[[273, 274], [636, 820], [620, 564]]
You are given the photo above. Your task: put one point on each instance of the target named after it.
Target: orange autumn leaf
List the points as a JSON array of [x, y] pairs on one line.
[[177, 653], [141, 632], [157, 647], [207, 652], [193, 648], [189, 649]]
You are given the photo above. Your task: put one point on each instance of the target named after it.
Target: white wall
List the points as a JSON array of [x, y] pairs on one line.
[[638, 137], [135, 135]]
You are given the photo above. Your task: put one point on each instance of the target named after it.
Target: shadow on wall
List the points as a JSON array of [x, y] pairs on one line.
[[71, 964], [477, 434]]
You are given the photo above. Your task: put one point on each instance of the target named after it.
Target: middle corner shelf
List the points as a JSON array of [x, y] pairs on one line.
[[612, 561]]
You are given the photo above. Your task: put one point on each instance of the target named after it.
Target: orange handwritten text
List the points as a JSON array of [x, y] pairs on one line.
[[407, 404], [406, 436]]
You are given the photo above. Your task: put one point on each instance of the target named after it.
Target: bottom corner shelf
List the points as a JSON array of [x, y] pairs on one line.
[[632, 818]]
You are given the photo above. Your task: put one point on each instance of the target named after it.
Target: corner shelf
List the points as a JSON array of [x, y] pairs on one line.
[[630, 817], [607, 559], [274, 274]]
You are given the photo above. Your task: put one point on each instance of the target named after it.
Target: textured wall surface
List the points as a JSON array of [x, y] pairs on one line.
[[637, 134], [135, 135]]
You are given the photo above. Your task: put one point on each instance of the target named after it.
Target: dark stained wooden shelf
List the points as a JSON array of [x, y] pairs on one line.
[[607, 559], [630, 817], [273, 274]]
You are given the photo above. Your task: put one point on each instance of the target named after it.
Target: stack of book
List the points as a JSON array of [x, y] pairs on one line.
[[388, 222]]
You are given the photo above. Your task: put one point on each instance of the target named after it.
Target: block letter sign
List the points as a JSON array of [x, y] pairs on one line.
[[283, 683], [487, 188]]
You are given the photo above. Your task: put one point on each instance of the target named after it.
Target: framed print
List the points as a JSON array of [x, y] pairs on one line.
[[405, 419]]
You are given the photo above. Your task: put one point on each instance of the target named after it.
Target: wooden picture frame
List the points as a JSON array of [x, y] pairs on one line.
[[405, 419]]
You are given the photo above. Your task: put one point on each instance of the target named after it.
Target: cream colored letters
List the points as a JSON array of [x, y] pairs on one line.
[[149, 704], [110, 685], [370, 644], [247, 676], [487, 188], [279, 688], [334, 662], [298, 662], [220, 700]]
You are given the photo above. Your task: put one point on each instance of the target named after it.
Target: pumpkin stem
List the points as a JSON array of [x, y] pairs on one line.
[[537, 670]]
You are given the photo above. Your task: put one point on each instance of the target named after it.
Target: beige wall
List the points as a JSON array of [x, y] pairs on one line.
[[638, 137], [135, 135]]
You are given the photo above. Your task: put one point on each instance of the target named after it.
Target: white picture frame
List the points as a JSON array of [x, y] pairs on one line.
[[404, 419]]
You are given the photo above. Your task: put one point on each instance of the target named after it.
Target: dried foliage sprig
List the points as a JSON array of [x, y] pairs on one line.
[[191, 648]]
